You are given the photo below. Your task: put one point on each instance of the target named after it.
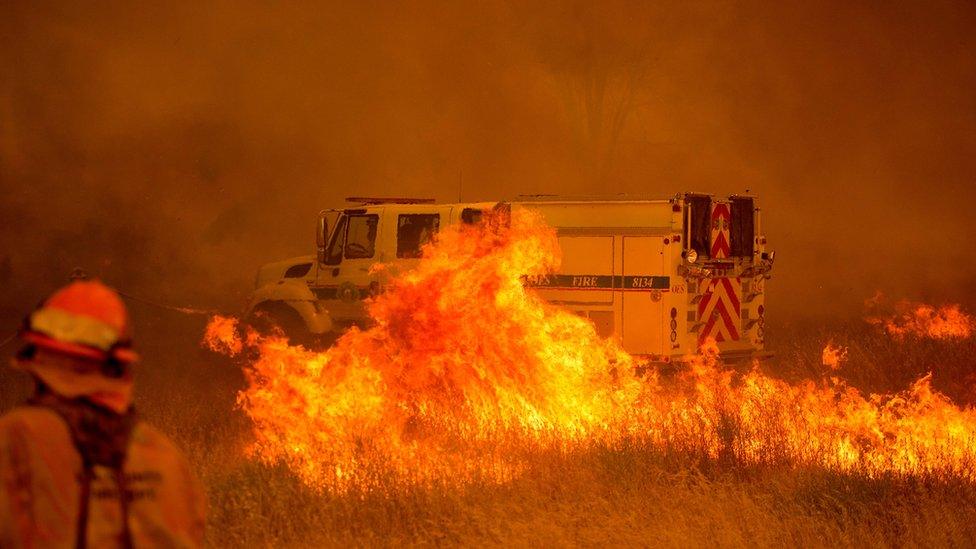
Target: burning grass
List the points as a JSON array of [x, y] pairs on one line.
[[628, 494], [920, 320], [636, 491]]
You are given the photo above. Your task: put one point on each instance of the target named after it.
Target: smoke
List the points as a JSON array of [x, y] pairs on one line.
[[172, 149]]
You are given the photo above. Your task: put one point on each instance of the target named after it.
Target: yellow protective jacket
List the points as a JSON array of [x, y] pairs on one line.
[[41, 484]]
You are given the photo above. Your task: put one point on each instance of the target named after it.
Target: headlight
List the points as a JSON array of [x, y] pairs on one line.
[[691, 256]]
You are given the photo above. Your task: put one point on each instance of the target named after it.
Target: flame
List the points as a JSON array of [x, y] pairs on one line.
[[221, 336], [923, 321], [465, 375], [833, 355]]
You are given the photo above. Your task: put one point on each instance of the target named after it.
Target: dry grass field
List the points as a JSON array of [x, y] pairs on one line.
[[585, 495]]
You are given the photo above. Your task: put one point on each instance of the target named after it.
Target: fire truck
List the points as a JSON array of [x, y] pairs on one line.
[[662, 276]]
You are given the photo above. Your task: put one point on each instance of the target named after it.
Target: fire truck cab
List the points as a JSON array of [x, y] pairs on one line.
[[662, 276]]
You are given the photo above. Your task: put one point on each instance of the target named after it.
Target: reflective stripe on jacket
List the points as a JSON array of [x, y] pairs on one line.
[[40, 489]]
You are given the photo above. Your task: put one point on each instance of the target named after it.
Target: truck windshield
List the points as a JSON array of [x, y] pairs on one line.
[[334, 254]]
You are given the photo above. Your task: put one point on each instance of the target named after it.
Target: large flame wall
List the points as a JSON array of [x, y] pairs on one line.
[[465, 373]]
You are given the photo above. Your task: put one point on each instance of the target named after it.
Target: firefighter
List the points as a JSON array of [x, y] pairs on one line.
[[77, 466]]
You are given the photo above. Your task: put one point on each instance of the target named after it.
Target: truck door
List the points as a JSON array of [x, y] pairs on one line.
[[585, 282], [642, 325], [345, 280]]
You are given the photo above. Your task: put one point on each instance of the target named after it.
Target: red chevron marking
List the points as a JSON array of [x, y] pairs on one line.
[[721, 219], [720, 300], [730, 290], [720, 246], [721, 210]]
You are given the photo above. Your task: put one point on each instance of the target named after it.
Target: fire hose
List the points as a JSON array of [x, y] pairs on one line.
[[184, 310]]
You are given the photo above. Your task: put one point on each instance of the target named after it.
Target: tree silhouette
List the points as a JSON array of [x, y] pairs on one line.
[[600, 62]]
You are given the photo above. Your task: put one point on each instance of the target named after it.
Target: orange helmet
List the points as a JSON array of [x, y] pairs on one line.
[[85, 319]]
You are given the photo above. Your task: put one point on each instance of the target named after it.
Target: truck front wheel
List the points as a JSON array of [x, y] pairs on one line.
[[277, 318]]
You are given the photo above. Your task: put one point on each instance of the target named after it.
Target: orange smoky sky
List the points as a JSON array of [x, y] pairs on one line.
[[173, 147]]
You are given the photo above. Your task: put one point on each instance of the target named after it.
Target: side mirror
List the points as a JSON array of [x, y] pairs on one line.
[[322, 238]]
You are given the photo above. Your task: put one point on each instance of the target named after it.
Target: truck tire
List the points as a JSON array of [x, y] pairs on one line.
[[276, 317]]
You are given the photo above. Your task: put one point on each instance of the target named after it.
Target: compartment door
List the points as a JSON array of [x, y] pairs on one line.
[[586, 274], [642, 304]]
